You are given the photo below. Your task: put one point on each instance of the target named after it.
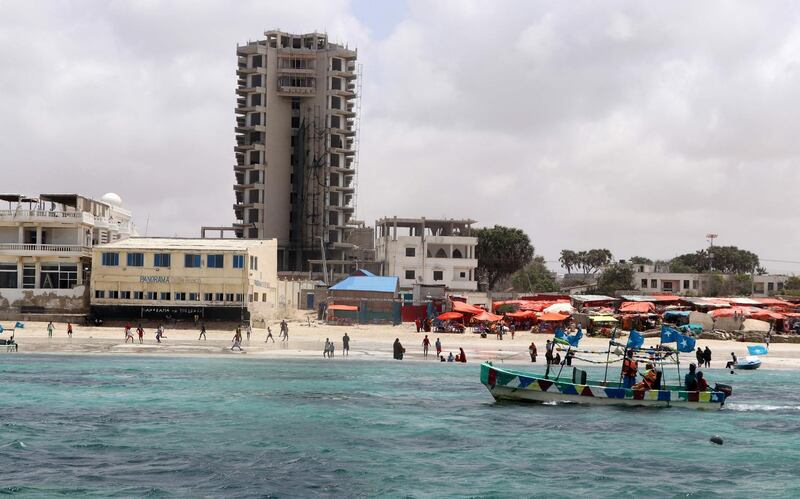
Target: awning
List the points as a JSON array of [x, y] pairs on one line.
[[522, 314], [552, 317], [602, 318], [466, 309], [641, 307], [487, 317], [348, 308], [450, 316], [766, 315]]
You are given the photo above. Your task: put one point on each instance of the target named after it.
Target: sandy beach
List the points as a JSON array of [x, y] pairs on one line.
[[306, 340]]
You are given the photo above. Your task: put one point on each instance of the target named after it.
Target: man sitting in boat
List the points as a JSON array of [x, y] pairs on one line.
[[690, 380], [650, 379], [629, 369], [731, 363], [702, 384]]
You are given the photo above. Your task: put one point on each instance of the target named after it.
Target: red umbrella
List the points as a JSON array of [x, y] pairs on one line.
[[449, 316]]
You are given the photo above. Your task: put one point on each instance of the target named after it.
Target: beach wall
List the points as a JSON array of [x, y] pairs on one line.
[[14, 302]]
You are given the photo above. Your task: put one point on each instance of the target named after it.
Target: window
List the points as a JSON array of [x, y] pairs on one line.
[[694, 284], [207, 296], [228, 296], [239, 297], [441, 253], [336, 64], [110, 259], [462, 275], [114, 295], [770, 286], [409, 274], [653, 283], [264, 297], [161, 260], [151, 295], [457, 253], [644, 283], [411, 251], [255, 297], [191, 261], [138, 295], [215, 261], [165, 296], [238, 261], [58, 276], [218, 297], [667, 284], [438, 275], [99, 293], [336, 121], [194, 296], [29, 276], [8, 275], [135, 259], [686, 284], [336, 102], [180, 296], [125, 295]]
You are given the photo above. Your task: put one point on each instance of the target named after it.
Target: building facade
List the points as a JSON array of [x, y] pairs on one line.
[[427, 251], [46, 244], [296, 143], [229, 279], [651, 279]]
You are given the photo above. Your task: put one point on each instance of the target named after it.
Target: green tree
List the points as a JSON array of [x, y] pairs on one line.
[[792, 283], [615, 277], [725, 259], [595, 259], [640, 260], [569, 260], [534, 277], [501, 251]]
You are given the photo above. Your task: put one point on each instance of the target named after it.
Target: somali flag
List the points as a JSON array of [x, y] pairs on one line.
[[561, 337], [669, 335], [757, 350], [635, 340], [575, 338], [686, 343], [19, 325]]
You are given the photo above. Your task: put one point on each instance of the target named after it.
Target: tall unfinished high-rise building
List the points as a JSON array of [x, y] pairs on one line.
[[296, 142]]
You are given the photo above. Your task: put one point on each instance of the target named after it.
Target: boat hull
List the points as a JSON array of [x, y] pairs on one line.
[[506, 384], [748, 367]]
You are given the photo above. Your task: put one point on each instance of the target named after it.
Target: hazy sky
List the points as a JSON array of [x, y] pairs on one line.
[[636, 126]]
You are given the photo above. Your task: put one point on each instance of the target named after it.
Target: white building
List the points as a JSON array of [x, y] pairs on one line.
[[650, 279], [46, 248], [427, 251]]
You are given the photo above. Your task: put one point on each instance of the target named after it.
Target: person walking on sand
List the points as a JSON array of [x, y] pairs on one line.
[[438, 347], [532, 351], [699, 355], [332, 349], [327, 348], [129, 335], [707, 357], [269, 335], [69, 330], [426, 344], [237, 339], [345, 345], [285, 332], [127, 331], [50, 328], [202, 332], [140, 330], [398, 350], [160, 333], [249, 330]]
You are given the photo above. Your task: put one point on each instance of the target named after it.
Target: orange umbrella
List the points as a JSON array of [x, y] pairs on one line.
[[552, 317], [487, 316], [449, 316]]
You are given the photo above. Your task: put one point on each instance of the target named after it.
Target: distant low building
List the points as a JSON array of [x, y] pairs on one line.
[[649, 279], [46, 244], [427, 251], [159, 278]]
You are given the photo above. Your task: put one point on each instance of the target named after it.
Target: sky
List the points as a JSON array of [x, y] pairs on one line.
[[634, 126]]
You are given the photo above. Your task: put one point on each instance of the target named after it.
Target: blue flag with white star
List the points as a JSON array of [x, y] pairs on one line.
[[635, 340], [19, 325], [686, 343], [669, 335]]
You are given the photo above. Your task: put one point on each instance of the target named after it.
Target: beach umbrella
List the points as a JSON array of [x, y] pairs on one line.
[[560, 308], [549, 317], [487, 317], [450, 316]]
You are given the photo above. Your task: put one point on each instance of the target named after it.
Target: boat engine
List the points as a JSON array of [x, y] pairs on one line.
[[726, 389]]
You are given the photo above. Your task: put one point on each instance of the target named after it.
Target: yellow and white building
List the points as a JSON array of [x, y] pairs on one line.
[[230, 279]]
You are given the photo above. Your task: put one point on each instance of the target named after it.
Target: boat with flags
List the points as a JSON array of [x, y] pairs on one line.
[[574, 386]]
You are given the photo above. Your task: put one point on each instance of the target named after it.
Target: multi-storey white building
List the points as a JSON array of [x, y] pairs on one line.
[[46, 248], [654, 278], [427, 251], [296, 144]]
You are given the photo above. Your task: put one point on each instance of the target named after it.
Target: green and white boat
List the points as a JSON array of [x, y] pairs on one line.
[[511, 384]]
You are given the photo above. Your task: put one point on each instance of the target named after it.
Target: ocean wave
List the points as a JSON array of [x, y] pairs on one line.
[[761, 407]]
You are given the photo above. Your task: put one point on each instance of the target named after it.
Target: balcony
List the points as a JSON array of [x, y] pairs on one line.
[[290, 91], [65, 217], [22, 249]]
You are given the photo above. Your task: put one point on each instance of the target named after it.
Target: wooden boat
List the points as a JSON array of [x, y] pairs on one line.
[[509, 384], [749, 363]]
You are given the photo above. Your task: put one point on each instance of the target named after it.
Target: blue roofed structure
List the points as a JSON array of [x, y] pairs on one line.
[[380, 284], [363, 272]]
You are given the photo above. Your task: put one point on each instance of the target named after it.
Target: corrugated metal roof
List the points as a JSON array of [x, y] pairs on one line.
[[168, 243], [588, 298], [367, 283]]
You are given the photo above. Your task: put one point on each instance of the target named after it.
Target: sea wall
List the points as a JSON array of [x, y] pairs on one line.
[[17, 302]]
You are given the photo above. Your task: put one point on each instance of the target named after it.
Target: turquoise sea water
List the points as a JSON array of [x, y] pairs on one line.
[[102, 426]]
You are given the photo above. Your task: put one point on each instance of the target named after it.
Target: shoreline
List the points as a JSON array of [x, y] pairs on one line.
[[369, 343]]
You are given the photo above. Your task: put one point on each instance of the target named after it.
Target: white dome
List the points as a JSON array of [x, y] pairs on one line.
[[112, 199]]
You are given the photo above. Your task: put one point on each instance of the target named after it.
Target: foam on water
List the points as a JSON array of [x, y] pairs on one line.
[[83, 426]]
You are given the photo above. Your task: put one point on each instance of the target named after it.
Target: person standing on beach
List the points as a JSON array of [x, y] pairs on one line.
[[50, 328], [426, 344], [140, 330], [398, 350], [249, 330], [532, 351], [438, 347], [237, 339], [707, 357], [202, 332], [548, 352], [418, 323], [345, 345], [700, 356], [285, 332], [269, 335], [69, 330], [129, 334]]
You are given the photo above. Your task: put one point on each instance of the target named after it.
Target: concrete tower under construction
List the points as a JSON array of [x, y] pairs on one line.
[[296, 143]]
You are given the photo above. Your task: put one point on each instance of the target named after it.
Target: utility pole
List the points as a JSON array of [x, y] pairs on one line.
[[710, 237]]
